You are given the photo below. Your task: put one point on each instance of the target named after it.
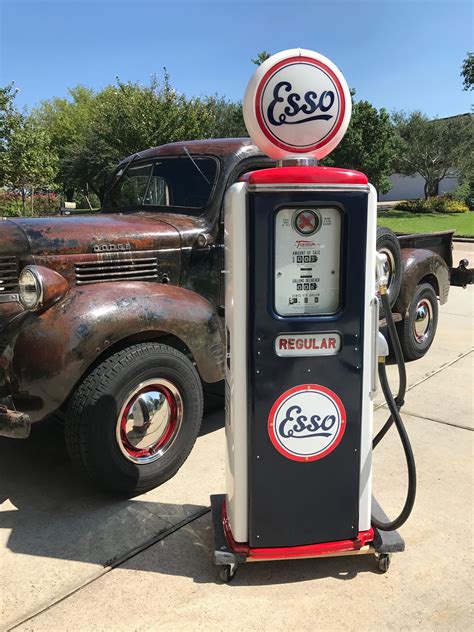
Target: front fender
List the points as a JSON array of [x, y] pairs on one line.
[[55, 349], [417, 264]]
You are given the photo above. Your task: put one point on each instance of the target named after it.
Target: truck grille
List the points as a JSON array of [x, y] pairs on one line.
[[131, 269], [8, 276]]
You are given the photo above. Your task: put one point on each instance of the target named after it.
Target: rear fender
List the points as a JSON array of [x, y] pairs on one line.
[[56, 348], [419, 264]]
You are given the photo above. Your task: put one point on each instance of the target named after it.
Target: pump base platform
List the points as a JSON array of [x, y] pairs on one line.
[[228, 554]]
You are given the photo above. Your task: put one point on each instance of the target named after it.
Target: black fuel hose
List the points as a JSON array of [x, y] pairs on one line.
[[394, 405], [402, 373]]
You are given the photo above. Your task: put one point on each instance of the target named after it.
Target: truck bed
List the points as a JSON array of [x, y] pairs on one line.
[[441, 243]]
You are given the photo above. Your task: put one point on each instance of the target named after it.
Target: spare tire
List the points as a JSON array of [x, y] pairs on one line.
[[388, 244]]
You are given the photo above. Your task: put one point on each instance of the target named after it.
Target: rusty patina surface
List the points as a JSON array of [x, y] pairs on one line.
[[45, 354], [419, 266], [88, 322], [13, 423]]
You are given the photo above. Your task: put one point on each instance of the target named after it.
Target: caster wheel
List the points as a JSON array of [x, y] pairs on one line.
[[226, 573], [384, 562]]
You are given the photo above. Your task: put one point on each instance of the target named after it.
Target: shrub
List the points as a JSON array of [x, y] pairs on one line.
[[412, 206], [464, 192], [444, 204], [10, 204], [43, 204], [440, 204]]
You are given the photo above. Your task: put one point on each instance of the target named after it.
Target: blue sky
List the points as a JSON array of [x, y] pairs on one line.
[[398, 54]]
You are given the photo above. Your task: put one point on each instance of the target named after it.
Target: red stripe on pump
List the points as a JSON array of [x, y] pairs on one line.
[[305, 175]]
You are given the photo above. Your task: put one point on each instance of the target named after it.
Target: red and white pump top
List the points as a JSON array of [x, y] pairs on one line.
[[297, 103]]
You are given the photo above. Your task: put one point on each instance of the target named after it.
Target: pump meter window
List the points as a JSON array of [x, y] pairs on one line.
[[307, 261]]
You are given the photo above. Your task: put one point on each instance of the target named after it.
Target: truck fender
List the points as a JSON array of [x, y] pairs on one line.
[[419, 264], [54, 349]]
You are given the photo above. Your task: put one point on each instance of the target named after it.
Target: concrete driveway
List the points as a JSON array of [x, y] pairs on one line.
[[72, 558]]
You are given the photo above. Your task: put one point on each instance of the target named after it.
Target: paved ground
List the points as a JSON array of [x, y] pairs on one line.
[[73, 559]]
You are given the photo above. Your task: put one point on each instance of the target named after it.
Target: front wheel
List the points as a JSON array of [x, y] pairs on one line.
[[132, 422], [418, 329]]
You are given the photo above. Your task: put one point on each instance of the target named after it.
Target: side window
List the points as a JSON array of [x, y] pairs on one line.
[[132, 188], [158, 193]]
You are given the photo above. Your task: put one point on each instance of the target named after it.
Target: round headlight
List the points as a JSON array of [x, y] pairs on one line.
[[31, 290]]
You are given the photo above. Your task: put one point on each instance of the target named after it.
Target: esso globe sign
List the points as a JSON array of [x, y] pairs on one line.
[[297, 103]]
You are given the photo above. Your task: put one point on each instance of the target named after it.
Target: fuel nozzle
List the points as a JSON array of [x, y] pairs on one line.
[[381, 272], [382, 283]]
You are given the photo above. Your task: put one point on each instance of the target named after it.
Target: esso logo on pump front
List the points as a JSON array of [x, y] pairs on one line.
[[307, 422], [297, 103]]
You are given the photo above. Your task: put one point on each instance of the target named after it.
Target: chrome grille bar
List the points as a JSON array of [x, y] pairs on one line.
[[8, 275], [131, 269]]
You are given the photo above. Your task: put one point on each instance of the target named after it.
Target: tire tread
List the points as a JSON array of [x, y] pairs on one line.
[[94, 386]]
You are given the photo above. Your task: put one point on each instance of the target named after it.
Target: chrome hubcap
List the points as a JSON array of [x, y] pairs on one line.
[[423, 320], [149, 421], [389, 267]]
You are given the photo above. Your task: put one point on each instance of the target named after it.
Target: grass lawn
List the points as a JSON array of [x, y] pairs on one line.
[[403, 222]]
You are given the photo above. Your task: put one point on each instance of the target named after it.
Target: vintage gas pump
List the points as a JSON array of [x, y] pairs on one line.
[[303, 343]]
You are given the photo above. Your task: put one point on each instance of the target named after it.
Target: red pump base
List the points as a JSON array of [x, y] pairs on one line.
[[228, 553]]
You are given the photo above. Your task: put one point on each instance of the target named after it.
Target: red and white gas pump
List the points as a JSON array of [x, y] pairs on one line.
[[303, 344]]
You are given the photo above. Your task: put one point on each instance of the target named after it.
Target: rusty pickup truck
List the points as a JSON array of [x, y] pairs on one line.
[[114, 320]]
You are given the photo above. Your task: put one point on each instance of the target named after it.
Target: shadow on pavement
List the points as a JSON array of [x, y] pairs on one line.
[[53, 511], [188, 553]]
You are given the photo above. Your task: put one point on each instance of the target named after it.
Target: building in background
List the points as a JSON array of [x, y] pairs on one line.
[[412, 187]]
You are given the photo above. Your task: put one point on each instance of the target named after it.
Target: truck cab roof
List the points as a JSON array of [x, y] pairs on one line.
[[216, 147]]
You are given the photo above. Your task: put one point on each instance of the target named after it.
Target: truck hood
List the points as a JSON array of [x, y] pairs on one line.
[[13, 241], [86, 234]]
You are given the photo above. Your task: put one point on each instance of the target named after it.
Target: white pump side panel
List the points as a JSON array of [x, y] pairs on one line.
[[235, 243], [370, 357]]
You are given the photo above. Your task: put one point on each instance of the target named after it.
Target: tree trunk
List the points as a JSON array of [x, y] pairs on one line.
[[431, 188], [433, 192], [23, 201]]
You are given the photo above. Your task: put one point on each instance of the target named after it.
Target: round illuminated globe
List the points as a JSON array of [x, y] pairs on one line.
[[297, 104]]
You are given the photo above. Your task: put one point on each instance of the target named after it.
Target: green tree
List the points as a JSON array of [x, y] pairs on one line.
[[369, 145], [10, 119], [93, 132], [67, 123], [261, 57], [467, 72], [29, 163], [433, 148]]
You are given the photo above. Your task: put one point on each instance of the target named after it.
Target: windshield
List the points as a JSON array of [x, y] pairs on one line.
[[183, 183]]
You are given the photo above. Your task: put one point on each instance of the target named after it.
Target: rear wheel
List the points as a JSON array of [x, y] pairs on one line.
[[388, 244], [133, 421], [418, 329]]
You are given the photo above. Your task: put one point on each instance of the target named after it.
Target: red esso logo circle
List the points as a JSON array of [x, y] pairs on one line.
[[307, 422], [297, 102]]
